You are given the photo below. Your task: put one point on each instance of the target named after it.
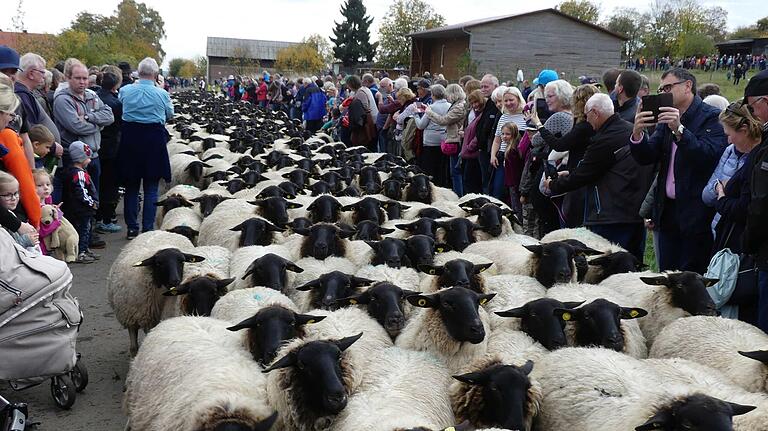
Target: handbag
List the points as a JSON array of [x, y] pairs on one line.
[[449, 148]]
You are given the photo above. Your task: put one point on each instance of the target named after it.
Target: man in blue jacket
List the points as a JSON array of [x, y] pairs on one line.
[[313, 106], [686, 143]]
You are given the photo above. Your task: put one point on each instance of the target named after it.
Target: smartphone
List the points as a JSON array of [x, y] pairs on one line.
[[419, 106], [541, 109], [653, 102]]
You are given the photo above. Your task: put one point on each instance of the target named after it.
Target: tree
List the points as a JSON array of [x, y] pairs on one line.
[[402, 18], [465, 65], [322, 46], [188, 69], [243, 61], [759, 29], [174, 66], [201, 63], [18, 20], [584, 10], [630, 23], [301, 58], [143, 25], [352, 38], [762, 24]]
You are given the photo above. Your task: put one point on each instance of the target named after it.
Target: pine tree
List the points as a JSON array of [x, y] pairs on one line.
[[352, 38]]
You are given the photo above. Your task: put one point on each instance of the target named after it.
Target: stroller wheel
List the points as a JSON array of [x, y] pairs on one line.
[[79, 375], [63, 391]]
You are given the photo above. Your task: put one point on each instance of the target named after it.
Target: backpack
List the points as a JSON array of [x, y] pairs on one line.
[[408, 139]]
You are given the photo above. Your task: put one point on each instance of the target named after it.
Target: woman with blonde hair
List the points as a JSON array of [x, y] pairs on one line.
[[512, 112]]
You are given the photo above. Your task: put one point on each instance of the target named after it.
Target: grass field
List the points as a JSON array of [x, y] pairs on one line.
[[727, 89]]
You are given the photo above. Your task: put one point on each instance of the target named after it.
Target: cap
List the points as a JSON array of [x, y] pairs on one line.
[[587, 80], [758, 85], [231, 77], [9, 58], [535, 82], [79, 151], [546, 76], [424, 83]]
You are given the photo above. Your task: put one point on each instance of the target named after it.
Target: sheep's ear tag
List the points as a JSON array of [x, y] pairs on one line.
[[483, 301], [633, 313], [450, 429], [353, 301], [173, 291], [567, 316], [423, 302], [431, 272], [309, 322]]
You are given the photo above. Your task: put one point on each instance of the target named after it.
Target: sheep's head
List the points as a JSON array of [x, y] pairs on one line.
[[270, 271], [390, 252], [458, 308], [384, 302], [688, 290], [202, 293], [599, 323], [255, 231], [323, 240], [458, 272], [167, 266], [537, 319], [554, 261], [332, 286], [697, 412], [458, 232]]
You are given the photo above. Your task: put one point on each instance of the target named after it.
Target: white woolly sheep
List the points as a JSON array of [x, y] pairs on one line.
[[183, 221], [186, 169], [512, 291], [192, 374], [241, 304], [275, 276], [738, 349]]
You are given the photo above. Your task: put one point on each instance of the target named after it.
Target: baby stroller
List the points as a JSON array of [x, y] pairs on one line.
[[39, 322]]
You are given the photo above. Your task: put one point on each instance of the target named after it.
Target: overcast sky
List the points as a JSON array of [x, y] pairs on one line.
[[187, 23]]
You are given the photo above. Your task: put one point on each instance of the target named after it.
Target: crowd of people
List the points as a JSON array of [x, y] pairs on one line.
[[728, 63], [63, 131]]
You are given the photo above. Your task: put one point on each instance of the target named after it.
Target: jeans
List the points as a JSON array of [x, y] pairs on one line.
[[484, 159], [131, 205], [456, 176], [496, 182], [762, 301], [382, 134], [631, 236], [679, 251], [83, 228]]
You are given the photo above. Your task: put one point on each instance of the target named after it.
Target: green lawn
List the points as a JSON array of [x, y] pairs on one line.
[[727, 89], [650, 253]]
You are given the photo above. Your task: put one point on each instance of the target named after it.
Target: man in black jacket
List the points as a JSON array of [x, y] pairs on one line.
[[616, 184], [756, 231], [486, 128], [110, 143]]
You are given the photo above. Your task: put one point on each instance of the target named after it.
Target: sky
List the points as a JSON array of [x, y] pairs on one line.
[[187, 23]]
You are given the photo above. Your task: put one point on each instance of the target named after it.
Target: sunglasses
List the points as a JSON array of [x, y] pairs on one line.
[[750, 106], [667, 88]]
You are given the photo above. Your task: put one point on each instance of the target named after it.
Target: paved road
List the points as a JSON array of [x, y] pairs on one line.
[[104, 346]]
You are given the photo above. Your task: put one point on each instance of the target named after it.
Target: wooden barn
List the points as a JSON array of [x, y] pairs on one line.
[[229, 56], [542, 39]]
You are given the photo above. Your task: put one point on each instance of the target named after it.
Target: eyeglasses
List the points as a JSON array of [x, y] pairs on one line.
[[10, 196], [13, 115], [750, 106], [667, 88]]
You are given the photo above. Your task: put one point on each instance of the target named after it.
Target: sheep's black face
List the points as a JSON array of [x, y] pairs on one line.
[[195, 170], [389, 251], [689, 291], [218, 176], [167, 266], [489, 217], [616, 263], [458, 308], [696, 412], [419, 189], [420, 250], [300, 177], [208, 203], [423, 226], [319, 188], [554, 263], [322, 240], [256, 231], [173, 201], [203, 293], [325, 209], [283, 162], [393, 188], [538, 320], [398, 173], [273, 191], [300, 223], [234, 185], [270, 327], [185, 231], [290, 188], [368, 230], [333, 179], [599, 323], [305, 164], [432, 213], [458, 272], [275, 209], [270, 271], [366, 209], [318, 374], [475, 203], [505, 394], [458, 233], [384, 302], [394, 209], [251, 178], [327, 289]]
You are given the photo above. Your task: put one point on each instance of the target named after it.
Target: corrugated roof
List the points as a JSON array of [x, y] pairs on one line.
[[251, 48], [458, 28], [736, 41]]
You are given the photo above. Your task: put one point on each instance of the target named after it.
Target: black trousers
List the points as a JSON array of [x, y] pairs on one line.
[[682, 251], [108, 192], [435, 164]]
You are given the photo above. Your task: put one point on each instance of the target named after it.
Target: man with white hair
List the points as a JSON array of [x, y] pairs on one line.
[[31, 76], [384, 98], [616, 184], [486, 129], [143, 159]]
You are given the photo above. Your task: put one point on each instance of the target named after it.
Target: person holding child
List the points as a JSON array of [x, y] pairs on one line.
[[80, 200]]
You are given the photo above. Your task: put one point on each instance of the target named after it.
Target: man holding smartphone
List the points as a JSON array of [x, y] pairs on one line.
[[686, 143]]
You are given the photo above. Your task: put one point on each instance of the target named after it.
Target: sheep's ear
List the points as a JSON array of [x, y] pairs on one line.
[[344, 233], [273, 228], [483, 299], [431, 269], [301, 231], [661, 280], [250, 269], [527, 367], [758, 355], [311, 206], [404, 207], [309, 286], [661, 420], [385, 230], [245, 324], [286, 361], [193, 258], [350, 207], [257, 202], [222, 284], [293, 205], [477, 378], [423, 301], [197, 199], [290, 266], [344, 343], [175, 291], [407, 293], [709, 282], [482, 267], [573, 304], [373, 244], [518, 312], [146, 262], [739, 409], [359, 281], [161, 203], [442, 247], [405, 227], [362, 298], [632, 313], [237, 228], [535, 249], [266, 424], [566, 314], [306, 319], [587, 251], [601, 261]]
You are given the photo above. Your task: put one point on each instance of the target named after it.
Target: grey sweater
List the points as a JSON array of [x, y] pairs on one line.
[[70, 112], [433, 132]]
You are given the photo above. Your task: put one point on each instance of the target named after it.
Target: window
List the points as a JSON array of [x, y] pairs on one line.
[[442, 56]]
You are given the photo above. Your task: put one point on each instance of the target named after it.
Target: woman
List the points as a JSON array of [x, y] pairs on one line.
[[471, 166], [407, 100], [361, 123], [453, 120], [512, 112], [275, 94], [726, 187], [432, 161]]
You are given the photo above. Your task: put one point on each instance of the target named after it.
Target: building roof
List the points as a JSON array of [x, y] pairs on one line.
[[251, 48], [459, 29], [12, 39], [740, 41]]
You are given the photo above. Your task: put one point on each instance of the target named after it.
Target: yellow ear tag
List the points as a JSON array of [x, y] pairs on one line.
[[483, 301], [566, 316], [353, 301], [431, 272], [422, 302], [440, 249], [309, 322], [634, 313], [450, 429]]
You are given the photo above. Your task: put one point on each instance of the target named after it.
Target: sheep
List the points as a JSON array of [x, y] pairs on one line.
[[385, 302], [326, 289], [616, 392], [216, 229], [198, 294], [257, 231], [455, 272], [667, 297], [512, 292], [458, 233], [421, 189], [241, 304], [210, 199], [493, 222], [152, 260], [269, 266], [186, 169], [217, 262], [404, 388], [323, 240], [183, 221], [493, 393], [736, 348], [457, 334], [191, 374], [179, 148]]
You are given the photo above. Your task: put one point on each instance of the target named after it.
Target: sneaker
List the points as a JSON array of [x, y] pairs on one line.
[[92, 255], [84, 258], [96, 241], [132, 234], [108, 227]]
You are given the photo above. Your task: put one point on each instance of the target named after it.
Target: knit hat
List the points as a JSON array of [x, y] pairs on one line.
[[79, 151], [758, 85], [546, 76], [9, 58]]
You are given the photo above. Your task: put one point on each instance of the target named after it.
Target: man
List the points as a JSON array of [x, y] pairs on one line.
[[9, 66], [106, 218], [645, 87], [619, 183], [756, 232], [609, 80], [627, 86], [687, 142], [125, 68], [486, 128], [422, 91], [313, 106], [80, 115], [32, 76], [142, 154], [384, 98], [369, 83]]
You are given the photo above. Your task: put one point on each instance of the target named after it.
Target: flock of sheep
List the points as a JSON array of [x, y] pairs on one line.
[[297, 284]]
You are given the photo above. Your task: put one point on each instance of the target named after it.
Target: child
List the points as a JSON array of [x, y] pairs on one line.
[[9, 199], [43, 185], [42, 141], [509, 139], [80, 199]]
